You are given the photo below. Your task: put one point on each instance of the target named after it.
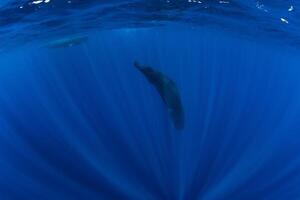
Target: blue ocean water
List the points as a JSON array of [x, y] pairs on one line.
[[79, 121]]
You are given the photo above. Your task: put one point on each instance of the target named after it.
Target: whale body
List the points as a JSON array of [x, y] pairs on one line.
[[67, 42], [168, 91]]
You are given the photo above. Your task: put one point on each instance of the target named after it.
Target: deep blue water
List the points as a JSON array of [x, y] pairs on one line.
[[78, 121]]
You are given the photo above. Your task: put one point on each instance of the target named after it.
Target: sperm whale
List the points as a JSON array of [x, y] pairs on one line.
[[168, 91], [67, 42]]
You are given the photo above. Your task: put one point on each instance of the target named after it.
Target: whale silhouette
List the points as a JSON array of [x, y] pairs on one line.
[[67, 42], [168, 91]]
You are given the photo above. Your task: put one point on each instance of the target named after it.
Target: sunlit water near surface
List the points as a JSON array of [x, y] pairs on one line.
[[79, 121]]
